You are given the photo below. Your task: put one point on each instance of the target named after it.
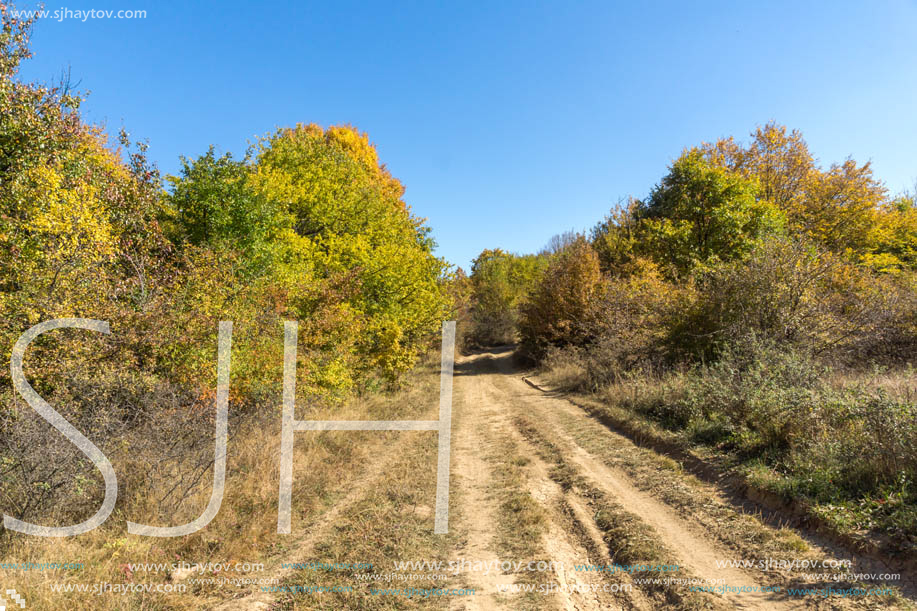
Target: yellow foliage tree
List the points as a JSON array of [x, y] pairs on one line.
[[559, 309]]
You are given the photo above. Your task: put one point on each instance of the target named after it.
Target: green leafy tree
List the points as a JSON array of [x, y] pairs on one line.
[[701, 214], [500, 283], [213, 203], [316, 212]]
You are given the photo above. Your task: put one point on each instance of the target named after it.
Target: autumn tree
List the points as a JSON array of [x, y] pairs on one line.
[[558, 310], [835, 207], [315, 212], [309, 226], [893, 237], [79, 227]]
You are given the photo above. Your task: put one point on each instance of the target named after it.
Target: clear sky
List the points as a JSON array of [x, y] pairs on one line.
[[508, 122]]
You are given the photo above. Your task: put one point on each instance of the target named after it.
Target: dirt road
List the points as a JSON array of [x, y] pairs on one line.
[[606, 501], [552, 510]]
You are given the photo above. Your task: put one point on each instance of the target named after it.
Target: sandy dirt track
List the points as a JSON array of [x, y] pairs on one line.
[[492, 394]]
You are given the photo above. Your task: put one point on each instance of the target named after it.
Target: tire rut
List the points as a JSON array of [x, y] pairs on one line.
[[693, 550], [478, 516]]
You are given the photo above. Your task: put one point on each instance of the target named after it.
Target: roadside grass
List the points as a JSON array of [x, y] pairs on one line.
[[666, 479], [244, 530], [392, 522], [840, 445]]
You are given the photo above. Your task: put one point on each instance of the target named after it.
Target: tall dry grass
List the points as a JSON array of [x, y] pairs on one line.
[[244, 531]]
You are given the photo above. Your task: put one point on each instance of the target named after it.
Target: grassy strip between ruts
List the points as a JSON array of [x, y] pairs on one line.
[[521, 521], [629, 541], [393, 521]]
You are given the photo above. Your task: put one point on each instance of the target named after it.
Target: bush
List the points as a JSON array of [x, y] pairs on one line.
[[794, 295], [627, 324], [850, 449]]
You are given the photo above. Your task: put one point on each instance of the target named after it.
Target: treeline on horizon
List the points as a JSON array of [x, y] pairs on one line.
[[308, 226], [755, 303]]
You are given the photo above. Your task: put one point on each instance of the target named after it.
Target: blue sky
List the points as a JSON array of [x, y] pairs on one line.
[[508, 122]]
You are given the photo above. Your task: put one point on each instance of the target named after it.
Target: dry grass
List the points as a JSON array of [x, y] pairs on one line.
[[565, 373], [839, 442], [522, 523], [392, 521], [244, 530], [899, 383]]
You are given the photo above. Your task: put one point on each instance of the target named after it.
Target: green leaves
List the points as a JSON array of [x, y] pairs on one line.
[[315, 215], [309, 226], [501, 282], [700, 214]]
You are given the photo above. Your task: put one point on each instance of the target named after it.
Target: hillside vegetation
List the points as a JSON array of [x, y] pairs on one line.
[[756, 304], [308, 226]]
